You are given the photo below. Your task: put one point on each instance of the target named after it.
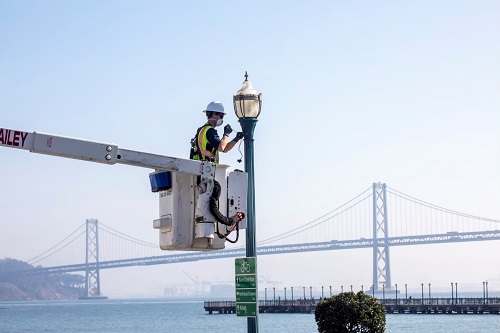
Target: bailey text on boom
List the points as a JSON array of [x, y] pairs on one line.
[[12, 138]]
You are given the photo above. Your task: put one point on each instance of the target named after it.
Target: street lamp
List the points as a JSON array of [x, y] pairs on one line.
[[422, 293], [487, 296], [396, 293], [484, 293], [274, 296], [383, 292], [430, 300], [330, 291], [406, 293], [292, 295], [247, 106], [304, 288], [452, 293]]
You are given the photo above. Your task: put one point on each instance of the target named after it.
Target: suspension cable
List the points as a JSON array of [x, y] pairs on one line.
[[315, 222], [34, 258], [429, 205]]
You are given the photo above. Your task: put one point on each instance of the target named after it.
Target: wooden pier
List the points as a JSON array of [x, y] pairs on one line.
[[396, 306]]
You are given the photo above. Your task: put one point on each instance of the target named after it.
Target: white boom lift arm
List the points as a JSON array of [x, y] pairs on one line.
[[184, 186]]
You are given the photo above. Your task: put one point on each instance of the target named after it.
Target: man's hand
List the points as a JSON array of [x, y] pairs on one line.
[[239, 136], [227, 129]]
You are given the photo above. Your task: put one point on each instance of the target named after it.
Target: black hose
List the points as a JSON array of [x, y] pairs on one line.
[[214, 206]]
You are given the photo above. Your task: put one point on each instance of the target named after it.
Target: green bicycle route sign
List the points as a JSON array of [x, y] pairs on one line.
[[246, 287]]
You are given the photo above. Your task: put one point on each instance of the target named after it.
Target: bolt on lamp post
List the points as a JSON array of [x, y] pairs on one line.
[[247, 106]]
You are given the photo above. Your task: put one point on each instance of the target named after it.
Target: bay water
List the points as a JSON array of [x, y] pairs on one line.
[[156, 315]]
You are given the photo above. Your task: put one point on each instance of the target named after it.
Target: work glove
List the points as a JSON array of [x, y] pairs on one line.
[[227, 129], [239, 136]]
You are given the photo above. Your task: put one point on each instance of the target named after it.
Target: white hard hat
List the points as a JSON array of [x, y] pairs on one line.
[[215, 107]]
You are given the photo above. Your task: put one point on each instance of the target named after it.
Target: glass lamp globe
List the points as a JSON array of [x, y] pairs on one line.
[[247, 101]]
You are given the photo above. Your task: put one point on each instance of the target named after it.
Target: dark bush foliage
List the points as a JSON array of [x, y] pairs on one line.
[[350, 313]]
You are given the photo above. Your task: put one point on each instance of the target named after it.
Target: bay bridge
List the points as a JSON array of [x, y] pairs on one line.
[[379, 218]]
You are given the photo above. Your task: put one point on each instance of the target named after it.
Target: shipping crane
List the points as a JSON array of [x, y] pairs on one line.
[[184, 186]]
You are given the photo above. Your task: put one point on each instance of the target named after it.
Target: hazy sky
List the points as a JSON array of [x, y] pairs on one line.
[[354, 92]]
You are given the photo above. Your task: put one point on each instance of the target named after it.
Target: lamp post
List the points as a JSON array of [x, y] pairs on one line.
[[422, 293], [484, 293], [430, 300], [406, 293], [322, 296], [383, 292], [330, 291], [247, 106], [456, 292], [274, 295], [304, 288], [452, 293], [487, 296], [396, 293], [292, 295], [265, 296]]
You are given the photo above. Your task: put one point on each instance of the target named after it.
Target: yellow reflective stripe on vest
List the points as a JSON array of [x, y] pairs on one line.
[[202, 145]]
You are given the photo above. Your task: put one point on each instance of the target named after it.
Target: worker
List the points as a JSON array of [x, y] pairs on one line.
[[206, 145]]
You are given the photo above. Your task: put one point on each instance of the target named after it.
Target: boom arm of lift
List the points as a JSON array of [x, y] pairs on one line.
[[185, 222], [93, 151]]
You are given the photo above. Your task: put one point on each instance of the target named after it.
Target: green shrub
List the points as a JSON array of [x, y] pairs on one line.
[[349, 312]]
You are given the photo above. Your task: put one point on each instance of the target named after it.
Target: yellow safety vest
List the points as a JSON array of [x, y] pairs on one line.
[[202, 150]]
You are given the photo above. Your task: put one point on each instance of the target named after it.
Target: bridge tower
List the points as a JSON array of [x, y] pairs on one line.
[[92, 283], [381, 258]]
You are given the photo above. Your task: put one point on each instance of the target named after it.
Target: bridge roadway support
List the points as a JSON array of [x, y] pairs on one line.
[[381, 257], [92, 282]]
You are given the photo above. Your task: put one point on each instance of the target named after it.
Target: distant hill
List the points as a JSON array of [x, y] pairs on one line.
[[38, 287]]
